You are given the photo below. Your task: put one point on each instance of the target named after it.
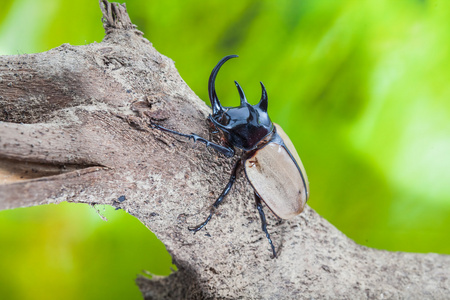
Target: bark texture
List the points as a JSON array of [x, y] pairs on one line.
[[74, 127]]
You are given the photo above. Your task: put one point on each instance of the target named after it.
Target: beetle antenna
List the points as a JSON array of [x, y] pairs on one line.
[[241, 94], [264, 102], [215, 103]]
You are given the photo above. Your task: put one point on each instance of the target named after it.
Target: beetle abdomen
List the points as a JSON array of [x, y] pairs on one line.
[[276, 178]]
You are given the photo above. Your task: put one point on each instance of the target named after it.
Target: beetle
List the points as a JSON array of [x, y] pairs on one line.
[[271, 163]]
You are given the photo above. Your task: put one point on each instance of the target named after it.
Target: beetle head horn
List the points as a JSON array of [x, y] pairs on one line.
[[217, 108], [263, 103], [241, 94]]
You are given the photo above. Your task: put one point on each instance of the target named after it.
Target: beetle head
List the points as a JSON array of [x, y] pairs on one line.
[[244, 126]]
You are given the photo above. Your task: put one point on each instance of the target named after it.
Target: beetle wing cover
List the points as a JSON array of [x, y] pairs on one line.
[[291, 148], [277, 180]]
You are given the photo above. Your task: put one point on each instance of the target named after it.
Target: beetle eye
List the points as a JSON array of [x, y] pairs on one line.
[[224, 119]]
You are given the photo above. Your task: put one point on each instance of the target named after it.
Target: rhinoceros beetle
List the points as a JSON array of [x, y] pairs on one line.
[[271, 163]]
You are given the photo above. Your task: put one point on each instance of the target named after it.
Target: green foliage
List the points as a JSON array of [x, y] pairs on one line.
[[67, 251], [361, 87]]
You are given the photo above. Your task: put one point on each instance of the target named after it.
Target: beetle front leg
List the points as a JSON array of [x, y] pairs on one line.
[[219, 200], [227, 151], [264, 223]]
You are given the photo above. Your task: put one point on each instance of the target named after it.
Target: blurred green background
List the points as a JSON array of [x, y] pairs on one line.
[[361, 87]]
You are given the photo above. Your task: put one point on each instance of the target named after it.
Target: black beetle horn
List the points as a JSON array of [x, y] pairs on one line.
[[241, 94], [215, 103], [264, 102]]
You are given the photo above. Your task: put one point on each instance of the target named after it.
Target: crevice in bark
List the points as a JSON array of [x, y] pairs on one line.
[[15, 170]]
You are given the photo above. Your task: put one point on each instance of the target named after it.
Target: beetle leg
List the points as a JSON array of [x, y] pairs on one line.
[[219, 200], [264, 223], [227, 151]]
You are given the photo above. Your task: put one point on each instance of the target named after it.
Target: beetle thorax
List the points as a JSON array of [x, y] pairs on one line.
[[244, 126]]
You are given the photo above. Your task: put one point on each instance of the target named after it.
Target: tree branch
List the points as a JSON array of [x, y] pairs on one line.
[[79, 116]]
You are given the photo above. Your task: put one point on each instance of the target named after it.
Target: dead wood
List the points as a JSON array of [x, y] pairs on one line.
[[74, 127]]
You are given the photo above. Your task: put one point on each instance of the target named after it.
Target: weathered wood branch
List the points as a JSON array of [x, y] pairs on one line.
[[74, 127]]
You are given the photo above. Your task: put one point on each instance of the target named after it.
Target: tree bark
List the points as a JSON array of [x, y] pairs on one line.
[[75, 127]]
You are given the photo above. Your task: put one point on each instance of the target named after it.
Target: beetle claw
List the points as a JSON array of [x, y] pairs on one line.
[[199, 227], [194, 229]]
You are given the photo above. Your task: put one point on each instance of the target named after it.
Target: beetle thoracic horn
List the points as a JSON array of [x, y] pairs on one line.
[[215, 103], [264, 102], [241, 94]]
